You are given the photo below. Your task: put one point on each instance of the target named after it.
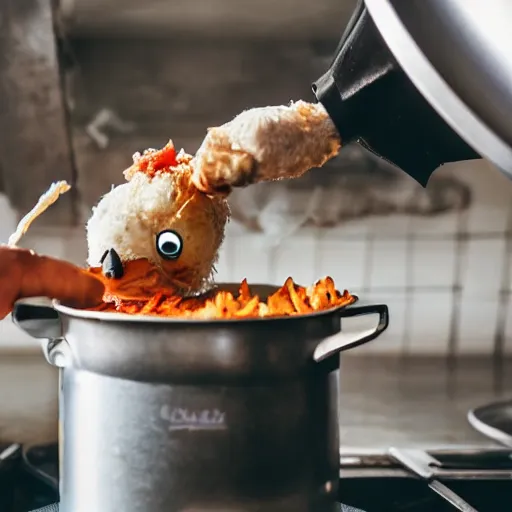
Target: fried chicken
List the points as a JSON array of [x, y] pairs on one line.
[[264, 144]]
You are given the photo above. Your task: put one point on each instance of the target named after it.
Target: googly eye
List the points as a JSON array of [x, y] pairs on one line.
[[169, 244]]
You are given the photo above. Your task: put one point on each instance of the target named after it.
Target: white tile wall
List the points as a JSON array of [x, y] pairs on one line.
[[438, 227], [296, 258], [251, 259], [411, 263], [389, 226], [357, 229], [431, 315], [492, 197], [346, 261], [389, 266], [224, 266], [477, 324], [433, 263], [483, 267], [508, 327]]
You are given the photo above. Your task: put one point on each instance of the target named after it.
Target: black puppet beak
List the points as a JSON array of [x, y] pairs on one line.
[[111, 265]]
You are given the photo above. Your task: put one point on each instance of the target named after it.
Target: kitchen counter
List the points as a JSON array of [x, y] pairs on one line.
[[28, 398], [417, 401], [384, 400]]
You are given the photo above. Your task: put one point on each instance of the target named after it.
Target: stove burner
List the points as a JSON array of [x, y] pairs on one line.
[[55, 508], [370, 481], [469, 480]]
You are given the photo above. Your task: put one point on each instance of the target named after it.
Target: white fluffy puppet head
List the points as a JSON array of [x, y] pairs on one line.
[[159, 216]]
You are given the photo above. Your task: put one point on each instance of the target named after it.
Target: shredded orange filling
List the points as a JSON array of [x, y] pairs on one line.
[[290, 299], [153, 161]]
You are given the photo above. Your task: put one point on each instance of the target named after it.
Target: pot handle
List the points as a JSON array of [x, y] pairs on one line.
[[342, 341], [43, 323]]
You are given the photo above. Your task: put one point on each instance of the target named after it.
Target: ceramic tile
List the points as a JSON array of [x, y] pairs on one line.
[[75, 247], [483, 269], [344, 261], [429, 323], [388, 264], [439, 226], [357, 228], [443, 190], [492, 196], [487, 218], [433, 263], [508, 257], [295, 258], [508, 328], [389, 226], [235, 228], [224, 264], [477, 326], [251, 259]]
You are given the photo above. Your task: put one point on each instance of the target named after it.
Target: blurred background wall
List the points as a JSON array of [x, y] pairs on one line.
[[86, 83], [127, 75]]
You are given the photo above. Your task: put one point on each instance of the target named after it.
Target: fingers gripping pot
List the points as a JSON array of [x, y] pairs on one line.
[[168, 414]]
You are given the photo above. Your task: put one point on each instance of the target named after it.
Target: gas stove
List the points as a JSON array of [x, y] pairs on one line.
[[372, 481], [438, 480]]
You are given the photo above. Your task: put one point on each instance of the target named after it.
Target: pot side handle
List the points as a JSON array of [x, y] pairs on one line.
[[346, 340], [43, 323]]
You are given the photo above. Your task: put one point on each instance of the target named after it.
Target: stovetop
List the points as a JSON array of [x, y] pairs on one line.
[[373, 481], [398, 480]]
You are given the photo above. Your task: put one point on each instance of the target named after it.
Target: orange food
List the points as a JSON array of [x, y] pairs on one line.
[[290, 299], [153, 161], [139, 282]]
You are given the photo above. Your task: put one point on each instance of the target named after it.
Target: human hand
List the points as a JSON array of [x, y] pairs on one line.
[[24, 274]]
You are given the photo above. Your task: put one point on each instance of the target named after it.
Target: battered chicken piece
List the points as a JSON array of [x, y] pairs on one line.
[[264, 144], [157, 229]]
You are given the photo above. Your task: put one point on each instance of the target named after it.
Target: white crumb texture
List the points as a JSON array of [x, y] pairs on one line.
[[128, 218]]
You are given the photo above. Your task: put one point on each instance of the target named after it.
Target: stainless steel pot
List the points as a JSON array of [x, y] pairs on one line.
[[175, 415]]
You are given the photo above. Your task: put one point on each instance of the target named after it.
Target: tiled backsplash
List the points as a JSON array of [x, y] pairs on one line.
[[446, 278]]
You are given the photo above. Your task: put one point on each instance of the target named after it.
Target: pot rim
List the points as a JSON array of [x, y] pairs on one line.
[[139, 318]]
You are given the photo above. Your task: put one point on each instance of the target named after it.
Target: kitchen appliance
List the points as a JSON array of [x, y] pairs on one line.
[[475, 477], [371, 480], [494, 421], [10, 455], [424, 83], [150, 405]]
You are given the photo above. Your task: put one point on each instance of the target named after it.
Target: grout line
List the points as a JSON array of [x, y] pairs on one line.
[[366, 287], [272, 264], [407, 290], [316, 251], [491, 235], [410, 291], [454, 332], [460, 259], [368, 263], [503, 306]]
